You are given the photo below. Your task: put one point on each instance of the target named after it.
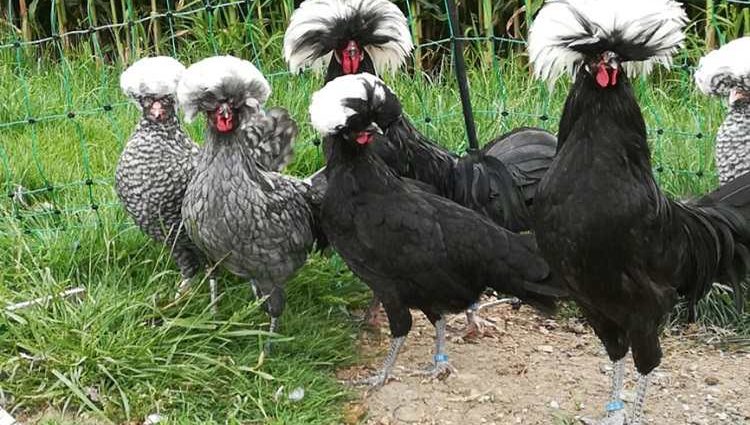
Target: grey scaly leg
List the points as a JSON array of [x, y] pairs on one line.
[[497, 302], [640, 398], [618, 378], [213, 288], [615, 408], [475, 324], [256, 290], [441, 368], [274, 325], [183, 288], [382, 375]]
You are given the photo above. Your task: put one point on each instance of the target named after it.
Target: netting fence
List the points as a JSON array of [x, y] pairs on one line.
[[61, 101]]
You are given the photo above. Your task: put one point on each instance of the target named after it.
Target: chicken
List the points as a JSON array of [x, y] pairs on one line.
[[372, 36], [257, 224], [626, 251], [726, 72], [158, 161], [414, 249]]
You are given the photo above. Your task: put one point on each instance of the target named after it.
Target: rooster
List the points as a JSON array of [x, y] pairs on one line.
[[625, 250], [257, 224], [726, 72], [372, 36], [414, 249], [158, 161]]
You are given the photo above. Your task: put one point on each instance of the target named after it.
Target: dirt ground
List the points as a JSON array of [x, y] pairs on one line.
[[537, 371]]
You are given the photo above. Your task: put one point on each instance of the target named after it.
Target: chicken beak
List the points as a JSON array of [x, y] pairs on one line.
[[736, 95], [350, 57], [608, 70], [368, 135], [156, 111], [224, 118]]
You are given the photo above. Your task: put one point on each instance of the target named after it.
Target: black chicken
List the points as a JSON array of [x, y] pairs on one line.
[[414, 249], [372, 36], [625, 251]]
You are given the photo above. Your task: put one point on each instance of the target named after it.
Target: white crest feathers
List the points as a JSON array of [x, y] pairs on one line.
[[329, 111], [642, 32], [154, 76], [318, 27], [725, 69], [216, 74]]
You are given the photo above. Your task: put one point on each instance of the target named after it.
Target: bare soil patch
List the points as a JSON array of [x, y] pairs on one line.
[[537, 371]]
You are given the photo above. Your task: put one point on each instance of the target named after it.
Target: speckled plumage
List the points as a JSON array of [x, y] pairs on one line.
[[274, 150], [151, 177], [257, 224], [733, 142]]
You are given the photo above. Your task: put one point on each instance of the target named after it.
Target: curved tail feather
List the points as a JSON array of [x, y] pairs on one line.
[[734, 195], [527, 152], [483, 183]]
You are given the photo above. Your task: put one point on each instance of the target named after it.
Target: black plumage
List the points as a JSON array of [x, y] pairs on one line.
[[478, 180], [412, 248], [625, 250], [372, 36]]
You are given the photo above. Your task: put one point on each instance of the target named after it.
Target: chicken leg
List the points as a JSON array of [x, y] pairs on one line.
[[441, 368], [213, 288], [381, 376], [615, 408], [618, 377], [476, 325], [640, 398]]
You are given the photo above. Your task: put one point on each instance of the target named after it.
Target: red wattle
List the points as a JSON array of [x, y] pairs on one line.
[[224, 125], [347, 65], [602, 76], [351, 58], [364, 138], [613, 77]]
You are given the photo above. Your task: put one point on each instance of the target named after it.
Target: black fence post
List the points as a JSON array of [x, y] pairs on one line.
[[460, 64]]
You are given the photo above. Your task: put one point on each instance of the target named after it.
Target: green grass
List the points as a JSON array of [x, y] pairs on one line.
[[141, 353]]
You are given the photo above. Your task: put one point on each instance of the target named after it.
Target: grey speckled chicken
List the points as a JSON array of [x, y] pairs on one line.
[[726, 72], [158, 160], [257, 224]]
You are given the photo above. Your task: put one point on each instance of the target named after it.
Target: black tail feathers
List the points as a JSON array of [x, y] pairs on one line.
[[725, 213], [484, 184], [527, 152]]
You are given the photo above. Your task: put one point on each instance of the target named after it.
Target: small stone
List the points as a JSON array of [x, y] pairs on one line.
[[410, 414], [722, 416], [712, 380], [545, 348], [297, 394], [605, 368], [153, 419], [553, 404]]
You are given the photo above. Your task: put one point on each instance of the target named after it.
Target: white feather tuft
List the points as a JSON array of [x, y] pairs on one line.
[[157, 76], [725, 69], [211, 74], [562, 27], [328, 112], [320, 17]]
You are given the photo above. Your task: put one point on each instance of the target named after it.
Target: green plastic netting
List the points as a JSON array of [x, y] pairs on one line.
[[85, 106]]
